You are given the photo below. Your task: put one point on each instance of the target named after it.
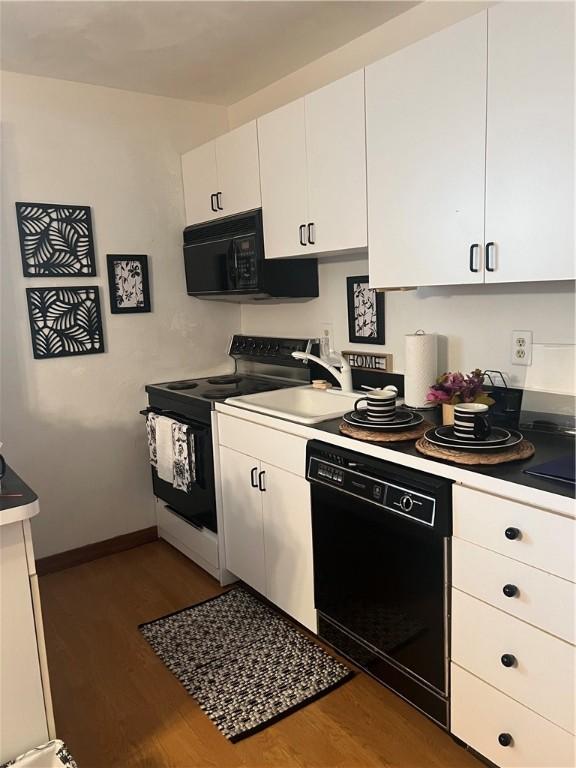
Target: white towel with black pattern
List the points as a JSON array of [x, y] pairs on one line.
[[151, 419], [184, 466], [165, 449]]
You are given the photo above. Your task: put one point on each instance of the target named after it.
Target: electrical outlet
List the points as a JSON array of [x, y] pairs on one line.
[[521, 347]]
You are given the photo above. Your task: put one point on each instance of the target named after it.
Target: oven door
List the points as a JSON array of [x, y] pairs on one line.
[[381, 579], [197, 506]]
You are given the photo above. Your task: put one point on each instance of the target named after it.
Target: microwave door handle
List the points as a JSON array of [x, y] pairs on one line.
[[232, 267]]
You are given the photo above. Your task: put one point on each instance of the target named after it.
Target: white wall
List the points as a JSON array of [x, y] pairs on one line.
[[475, 321], [70, 426]]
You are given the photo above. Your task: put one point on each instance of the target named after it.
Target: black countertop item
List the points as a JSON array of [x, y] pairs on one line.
[[12, 484], [549, 446]]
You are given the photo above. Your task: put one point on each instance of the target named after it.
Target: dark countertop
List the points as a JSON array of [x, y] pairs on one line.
[[549, 446], [12, 483]]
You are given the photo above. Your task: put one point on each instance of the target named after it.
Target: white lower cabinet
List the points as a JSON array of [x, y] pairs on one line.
[[288, 544], [513, 632], [26, 718], [504, 731], [524, 662], [268, 529], [243, 523]]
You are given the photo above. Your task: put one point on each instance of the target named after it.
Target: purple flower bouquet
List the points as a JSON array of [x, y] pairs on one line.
[[453, 388]]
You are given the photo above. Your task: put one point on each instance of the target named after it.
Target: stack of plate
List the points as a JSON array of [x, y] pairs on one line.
[[497, 440], [402, 420]]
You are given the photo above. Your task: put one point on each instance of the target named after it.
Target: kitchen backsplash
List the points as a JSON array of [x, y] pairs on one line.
[[474, 323]]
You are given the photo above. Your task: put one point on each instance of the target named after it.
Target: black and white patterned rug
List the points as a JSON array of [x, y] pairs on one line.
[[245, 665]]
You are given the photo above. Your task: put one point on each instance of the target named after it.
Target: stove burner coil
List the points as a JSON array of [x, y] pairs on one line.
[[220, 394], [224, 380], [176, 385]]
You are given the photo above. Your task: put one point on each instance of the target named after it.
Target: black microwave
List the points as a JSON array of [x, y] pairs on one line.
[[224, 259]]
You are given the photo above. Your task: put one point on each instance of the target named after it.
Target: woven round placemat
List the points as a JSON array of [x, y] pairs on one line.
[[375, 436], [523, 450]]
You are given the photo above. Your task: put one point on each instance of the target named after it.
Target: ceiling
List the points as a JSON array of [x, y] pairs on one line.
[[216, 52]]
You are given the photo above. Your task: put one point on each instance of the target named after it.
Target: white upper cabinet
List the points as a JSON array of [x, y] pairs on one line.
[[200, 180], [222, 177], [530, 142], [238, 170], [282, 139], [313, 172], [336, 153], [425, 126]]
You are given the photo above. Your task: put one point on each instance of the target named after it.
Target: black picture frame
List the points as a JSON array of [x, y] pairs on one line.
[[136, 277], [65, 321], [56, 240], [369, 317]]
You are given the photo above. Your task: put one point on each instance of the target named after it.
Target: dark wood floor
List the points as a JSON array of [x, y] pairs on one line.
[[116, 704]]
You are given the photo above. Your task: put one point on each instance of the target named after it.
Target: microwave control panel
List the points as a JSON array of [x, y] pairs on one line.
[[244, 262]]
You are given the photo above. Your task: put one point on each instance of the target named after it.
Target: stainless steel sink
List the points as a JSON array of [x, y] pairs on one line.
[[305, 405]]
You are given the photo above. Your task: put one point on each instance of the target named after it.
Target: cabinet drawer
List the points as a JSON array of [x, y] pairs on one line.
[[542, 676], [479, 714], [270, 445], [543, 600], [545, 540], [201, 545]]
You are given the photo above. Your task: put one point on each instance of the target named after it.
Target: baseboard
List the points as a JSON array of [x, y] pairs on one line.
[[85, 554]]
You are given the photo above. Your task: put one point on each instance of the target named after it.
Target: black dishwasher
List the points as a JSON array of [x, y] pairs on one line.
[[381, 536]]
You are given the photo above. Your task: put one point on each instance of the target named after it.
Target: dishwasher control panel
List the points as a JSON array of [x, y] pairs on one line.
[[351, 479]]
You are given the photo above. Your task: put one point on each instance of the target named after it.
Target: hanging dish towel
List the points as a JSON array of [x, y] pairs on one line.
[[54, 754], [151, 419], [184, 472], [164, 449]]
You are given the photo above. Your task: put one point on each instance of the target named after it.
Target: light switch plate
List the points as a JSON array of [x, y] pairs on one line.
[[521, 347]]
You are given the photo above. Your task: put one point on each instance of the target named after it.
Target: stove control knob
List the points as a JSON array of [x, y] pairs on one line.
[[406, 503]]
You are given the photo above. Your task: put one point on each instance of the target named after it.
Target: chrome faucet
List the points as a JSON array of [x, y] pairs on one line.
[[342, 376]]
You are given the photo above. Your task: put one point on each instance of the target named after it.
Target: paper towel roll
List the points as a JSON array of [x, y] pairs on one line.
[[420, 367]]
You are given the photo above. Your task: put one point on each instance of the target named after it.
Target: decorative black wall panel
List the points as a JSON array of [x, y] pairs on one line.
[[56, 240], [65, 321]]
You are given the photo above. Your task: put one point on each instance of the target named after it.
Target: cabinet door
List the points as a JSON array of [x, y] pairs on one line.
[[23, 722], [425, 126], [238, 170], [336, 153], [530, 141], [282, 140], [242, 512], [288, 544], [200, 183]]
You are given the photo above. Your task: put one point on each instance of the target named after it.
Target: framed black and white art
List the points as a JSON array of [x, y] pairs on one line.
[[55, 240], [65, 321], [365, 312], [128, 284]]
